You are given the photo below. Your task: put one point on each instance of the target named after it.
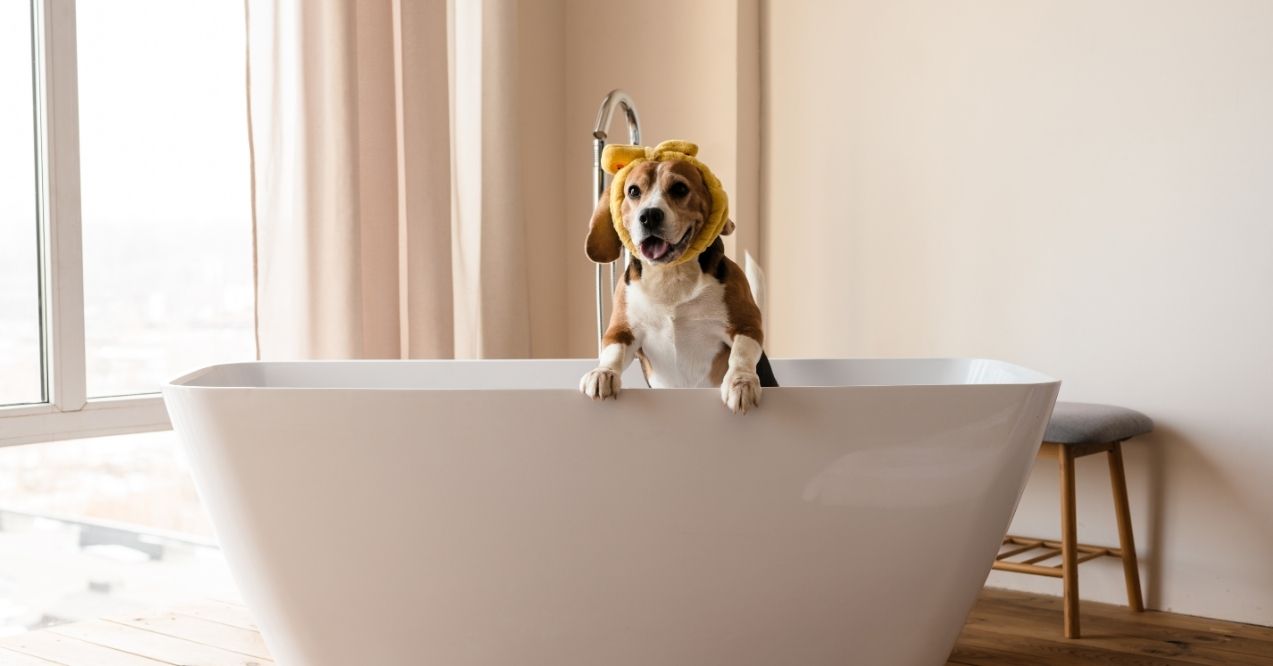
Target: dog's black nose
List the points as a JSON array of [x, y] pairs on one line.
[[651, 217]]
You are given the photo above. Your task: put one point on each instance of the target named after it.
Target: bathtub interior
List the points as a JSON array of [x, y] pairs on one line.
[[565, 374]]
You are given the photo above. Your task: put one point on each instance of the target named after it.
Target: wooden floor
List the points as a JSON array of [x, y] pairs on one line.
[[210, 633], [1020, 629], [1006, 628]]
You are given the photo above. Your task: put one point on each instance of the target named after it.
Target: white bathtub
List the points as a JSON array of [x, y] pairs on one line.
[[456, 513]]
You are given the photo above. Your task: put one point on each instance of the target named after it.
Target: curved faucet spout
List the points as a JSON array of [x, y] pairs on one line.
[[617, 98]]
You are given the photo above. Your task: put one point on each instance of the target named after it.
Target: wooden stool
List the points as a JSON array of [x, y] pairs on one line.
[[1076, 430]]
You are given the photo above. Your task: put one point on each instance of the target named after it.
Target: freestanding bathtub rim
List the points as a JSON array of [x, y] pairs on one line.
[[1007, 374]]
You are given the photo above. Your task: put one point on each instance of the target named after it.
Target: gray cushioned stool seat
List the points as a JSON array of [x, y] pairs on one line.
[[1087, 423]]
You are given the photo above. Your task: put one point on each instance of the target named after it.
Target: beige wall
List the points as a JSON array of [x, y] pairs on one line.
[[1083, 187]]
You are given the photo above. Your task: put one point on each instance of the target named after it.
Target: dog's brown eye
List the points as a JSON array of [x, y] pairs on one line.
[[634, 191], [679, 190]]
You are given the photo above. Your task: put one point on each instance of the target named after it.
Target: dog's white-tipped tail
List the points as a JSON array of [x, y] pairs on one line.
[[756, 279]]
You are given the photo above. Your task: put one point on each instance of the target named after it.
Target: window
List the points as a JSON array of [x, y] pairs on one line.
[[125, 222], [163, 164], [125, 260], [20, 368]]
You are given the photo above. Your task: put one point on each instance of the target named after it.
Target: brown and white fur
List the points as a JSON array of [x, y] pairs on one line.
[[693, 324]]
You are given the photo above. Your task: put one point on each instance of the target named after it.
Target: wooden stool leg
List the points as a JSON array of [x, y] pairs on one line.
[[1125, 541], [1069, 542]]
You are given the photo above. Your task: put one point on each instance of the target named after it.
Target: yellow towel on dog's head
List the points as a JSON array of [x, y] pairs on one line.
[[619, 159]]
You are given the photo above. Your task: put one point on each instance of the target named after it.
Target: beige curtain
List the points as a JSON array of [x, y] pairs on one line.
[[387, 224]]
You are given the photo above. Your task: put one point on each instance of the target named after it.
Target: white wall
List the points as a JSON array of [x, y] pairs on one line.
[[1084, 187]]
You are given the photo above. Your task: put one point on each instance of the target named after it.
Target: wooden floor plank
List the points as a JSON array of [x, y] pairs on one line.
[[10, 658], [1030, 650], [72, 651], [1258, 636], [155, 646], [219, 611], [1128, 638], [1122, 630], [975, 653], [206, 632]]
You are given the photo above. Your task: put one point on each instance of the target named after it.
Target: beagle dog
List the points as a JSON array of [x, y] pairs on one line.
[[692, 323]]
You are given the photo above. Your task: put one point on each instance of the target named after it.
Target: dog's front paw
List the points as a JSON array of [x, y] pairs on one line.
[[740, 390], [600, 384]]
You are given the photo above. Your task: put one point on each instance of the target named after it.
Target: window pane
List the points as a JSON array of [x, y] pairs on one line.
[[102, 527], [165, 190], [19, 291]]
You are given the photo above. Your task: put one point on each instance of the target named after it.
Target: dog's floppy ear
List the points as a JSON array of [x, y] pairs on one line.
[[603, 244], [729, 228]]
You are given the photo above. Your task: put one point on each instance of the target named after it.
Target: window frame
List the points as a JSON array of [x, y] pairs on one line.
[[66, 412]]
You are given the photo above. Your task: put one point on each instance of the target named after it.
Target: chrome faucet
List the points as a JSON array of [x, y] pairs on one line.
[[615, 98]]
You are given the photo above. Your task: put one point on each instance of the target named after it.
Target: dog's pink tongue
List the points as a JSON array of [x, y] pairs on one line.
[[655, 248]]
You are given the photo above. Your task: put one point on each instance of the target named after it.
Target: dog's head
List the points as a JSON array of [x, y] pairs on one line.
[[662, 204]]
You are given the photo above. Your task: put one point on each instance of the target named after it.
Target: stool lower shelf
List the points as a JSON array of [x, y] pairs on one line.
[[1024, 545]]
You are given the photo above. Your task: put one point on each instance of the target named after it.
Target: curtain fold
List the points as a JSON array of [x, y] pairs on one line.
[[387, 218]]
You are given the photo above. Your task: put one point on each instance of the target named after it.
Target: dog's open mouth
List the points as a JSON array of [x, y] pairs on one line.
[[658, 250]]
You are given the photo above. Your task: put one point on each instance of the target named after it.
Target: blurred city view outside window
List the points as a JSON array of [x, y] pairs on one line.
[[165, 191], [20, 373], [113, 525]]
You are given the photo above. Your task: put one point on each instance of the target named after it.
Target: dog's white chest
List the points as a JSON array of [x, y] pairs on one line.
[[681, 330]]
